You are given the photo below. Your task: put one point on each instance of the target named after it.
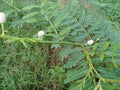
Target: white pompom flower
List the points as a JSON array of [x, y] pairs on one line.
[[2, 17], [41, 34], [90, 42]]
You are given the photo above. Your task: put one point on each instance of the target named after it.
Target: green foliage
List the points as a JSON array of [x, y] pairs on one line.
[[68, 27]]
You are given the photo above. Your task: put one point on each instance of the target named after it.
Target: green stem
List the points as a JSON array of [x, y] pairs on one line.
[[92, 67], [50, 23], [88, 57], [37, 40], [90, 64], [89, 36], [12, 5], [2, 27], [84, 79]]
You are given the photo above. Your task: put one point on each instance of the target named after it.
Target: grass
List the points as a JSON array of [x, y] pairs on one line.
[[28, 68]]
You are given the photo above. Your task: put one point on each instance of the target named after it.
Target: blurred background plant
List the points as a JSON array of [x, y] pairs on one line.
[[66, 62]]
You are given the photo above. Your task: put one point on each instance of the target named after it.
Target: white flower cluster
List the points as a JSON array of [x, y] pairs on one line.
[[90, 42], [41, 34], [2, 17]]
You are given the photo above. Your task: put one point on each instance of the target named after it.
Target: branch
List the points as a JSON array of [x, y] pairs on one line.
[[37, 40]]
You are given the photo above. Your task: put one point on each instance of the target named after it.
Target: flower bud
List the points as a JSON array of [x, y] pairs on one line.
[[2, 17], [90, 42], [41, 34]]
